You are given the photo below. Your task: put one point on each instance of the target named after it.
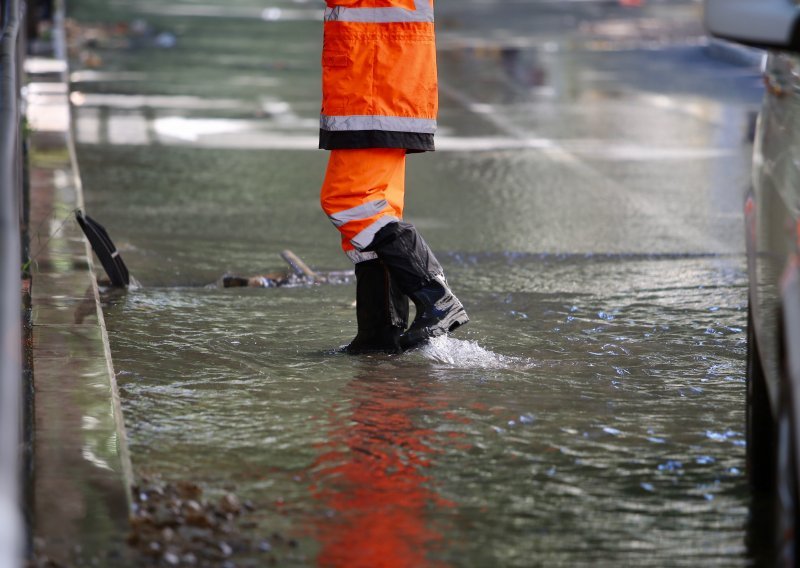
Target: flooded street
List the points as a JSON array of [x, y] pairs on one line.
[[585, 202]]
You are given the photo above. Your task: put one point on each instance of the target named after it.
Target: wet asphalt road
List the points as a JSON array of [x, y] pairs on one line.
[[608, 130], [586, 202]]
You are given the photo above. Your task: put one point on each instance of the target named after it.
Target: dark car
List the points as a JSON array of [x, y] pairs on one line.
[[772, 228]]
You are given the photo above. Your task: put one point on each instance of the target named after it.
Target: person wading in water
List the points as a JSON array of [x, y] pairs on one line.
[[380, 103]]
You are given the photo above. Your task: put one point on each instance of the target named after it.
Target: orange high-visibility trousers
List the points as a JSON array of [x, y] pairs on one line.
[[363, 191]]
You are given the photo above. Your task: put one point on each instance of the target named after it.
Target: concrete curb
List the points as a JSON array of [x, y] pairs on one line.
[[82, 469]]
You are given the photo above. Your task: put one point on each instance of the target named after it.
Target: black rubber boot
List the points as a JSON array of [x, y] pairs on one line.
[[438, 312], [381, 311], [419, 275]]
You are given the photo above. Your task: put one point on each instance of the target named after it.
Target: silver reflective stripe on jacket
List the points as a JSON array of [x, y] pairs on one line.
[[363, 211], [422, 13], [377, 122], [358, 256], [364, 238]]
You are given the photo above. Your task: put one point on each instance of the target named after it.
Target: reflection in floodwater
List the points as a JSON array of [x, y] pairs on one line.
[[373, 478]]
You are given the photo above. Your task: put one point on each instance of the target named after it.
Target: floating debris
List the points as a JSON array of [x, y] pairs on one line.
[[300, 275]]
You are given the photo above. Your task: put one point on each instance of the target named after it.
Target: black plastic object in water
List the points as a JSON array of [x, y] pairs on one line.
[[105, 250]]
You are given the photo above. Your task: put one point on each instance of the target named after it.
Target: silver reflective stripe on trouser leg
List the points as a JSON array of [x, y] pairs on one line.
[[423, 12], [363, 211], [377, 122], [364, 238], [357, 256]]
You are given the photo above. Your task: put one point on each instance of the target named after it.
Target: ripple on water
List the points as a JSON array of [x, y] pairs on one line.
[[554, 439]]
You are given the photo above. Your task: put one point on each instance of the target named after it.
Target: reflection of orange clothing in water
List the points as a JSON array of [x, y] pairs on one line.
[[377, 488]]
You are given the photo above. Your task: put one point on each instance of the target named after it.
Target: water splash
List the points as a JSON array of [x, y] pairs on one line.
[[469, 355]]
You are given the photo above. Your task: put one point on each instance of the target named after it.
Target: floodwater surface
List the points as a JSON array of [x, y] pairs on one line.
[[580, 419], [588, 216]]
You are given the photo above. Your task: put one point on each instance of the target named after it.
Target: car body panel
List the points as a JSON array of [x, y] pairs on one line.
[[772, 213], [772, 229], [790, 294], [760, 22]]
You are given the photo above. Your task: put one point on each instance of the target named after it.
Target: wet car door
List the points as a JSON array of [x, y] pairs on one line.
[[773, 206]]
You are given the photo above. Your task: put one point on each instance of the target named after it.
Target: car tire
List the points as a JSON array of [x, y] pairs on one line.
[[760, 425]]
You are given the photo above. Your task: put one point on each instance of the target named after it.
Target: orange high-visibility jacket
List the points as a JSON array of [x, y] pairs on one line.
[[379, 86]]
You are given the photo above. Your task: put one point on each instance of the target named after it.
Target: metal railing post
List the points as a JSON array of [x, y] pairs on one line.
[[12, 532]]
